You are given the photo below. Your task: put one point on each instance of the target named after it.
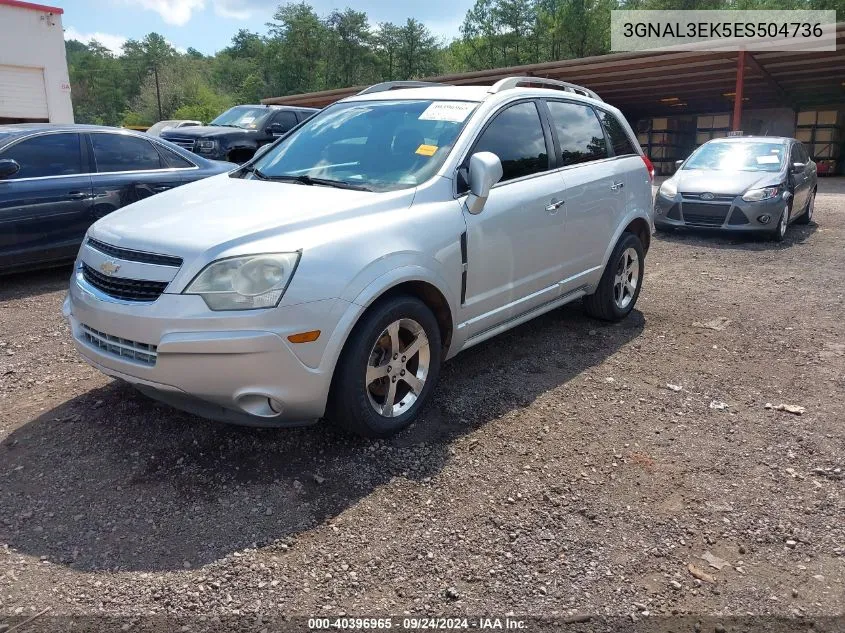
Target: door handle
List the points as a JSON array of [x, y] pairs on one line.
[[77, 195], [616, 186], [160, 188], [554, 205]]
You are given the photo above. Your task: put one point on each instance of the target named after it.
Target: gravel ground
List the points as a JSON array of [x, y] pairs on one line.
[[567, 467]]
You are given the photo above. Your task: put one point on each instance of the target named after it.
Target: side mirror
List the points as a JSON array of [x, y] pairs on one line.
[[678, 163], [276, 129], [8, 167], [485, 170], [797, 168], [261, 151]]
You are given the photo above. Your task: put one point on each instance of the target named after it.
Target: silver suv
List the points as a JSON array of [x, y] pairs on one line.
[[333, 274]]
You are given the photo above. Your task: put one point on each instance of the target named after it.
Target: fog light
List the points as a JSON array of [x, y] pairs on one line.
[[764, 219]]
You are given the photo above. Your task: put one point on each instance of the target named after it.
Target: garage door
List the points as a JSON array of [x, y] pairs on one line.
[[22, 93]]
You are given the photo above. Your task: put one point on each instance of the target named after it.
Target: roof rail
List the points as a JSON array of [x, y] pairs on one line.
[[398, 85], [554, 84]]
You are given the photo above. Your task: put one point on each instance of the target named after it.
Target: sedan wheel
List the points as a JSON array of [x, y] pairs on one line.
[[783, 223], [807, 216]]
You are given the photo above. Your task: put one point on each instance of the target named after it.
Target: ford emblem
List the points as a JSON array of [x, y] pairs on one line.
[[707, 196]]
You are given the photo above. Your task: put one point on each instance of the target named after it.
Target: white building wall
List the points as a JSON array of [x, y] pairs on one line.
[[34, 39]]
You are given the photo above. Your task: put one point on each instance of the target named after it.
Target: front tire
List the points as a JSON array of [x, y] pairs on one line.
[[807, 216], [621, 282], [783, 224], [387, 370]]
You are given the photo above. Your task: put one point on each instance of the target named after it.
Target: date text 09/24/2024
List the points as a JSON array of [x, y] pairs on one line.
[[416, 623]]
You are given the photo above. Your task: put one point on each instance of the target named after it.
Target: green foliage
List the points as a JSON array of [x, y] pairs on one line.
[[303, 52]]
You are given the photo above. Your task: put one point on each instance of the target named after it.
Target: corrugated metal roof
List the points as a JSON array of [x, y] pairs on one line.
[[701, 79]]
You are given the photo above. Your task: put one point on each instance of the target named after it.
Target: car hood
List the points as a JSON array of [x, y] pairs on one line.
[[223, 215], [724, 182], [204, 131]]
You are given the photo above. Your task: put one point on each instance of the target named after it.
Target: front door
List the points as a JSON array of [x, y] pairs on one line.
[[45, 208], [514, 244]]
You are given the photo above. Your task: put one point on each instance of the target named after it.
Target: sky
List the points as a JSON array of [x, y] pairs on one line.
[[208, 25]]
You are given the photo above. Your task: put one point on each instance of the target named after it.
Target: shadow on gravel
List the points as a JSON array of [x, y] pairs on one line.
[[31, 284], [721, 239], [113, 481]]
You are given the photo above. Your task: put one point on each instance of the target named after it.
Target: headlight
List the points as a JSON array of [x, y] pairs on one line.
[[755, 195], [245, 283], [206, 146], [668, 189]]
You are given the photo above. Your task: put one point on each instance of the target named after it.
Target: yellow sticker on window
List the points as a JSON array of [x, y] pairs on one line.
[[426, 150]]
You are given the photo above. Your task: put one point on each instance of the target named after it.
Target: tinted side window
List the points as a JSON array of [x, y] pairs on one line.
[[286, 119], [795, 154], [516, 137], [173, 159], [121, 152], [805, 157], [619, 139], [578, 131], [47, 155]]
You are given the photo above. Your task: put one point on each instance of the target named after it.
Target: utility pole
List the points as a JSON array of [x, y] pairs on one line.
[[158, 92]]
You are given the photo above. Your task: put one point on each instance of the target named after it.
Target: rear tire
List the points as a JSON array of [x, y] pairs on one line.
[[807, 216], [621, 282], [379, 388]]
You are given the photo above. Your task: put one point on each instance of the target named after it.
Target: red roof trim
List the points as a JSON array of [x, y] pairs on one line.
[[31, 6]]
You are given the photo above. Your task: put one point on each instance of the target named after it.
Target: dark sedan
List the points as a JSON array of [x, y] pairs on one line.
[[758, 184], [56, 180]]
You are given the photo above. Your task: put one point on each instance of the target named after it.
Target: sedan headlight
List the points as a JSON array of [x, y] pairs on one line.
[[206, 146], [245, 283], [755, 195], [668, 189]]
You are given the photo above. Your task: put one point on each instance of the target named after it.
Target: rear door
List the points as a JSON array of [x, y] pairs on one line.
[[128, 169], [45, 208], [594, 188], [513, 245]]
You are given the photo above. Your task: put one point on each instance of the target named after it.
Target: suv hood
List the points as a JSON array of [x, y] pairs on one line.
[[726, 182], [222, 214], [204, 131]]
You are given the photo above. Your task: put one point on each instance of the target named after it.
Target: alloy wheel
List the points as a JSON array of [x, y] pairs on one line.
[[811, 206], [784, 221], [397, 368], [626, 279]]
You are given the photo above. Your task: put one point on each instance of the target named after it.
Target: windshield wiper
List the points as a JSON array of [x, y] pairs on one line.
[[251, 169], [325, 182]]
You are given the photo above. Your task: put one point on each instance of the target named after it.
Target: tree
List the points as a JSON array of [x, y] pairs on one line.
[[148, 56], [388, 41], [417, 54]]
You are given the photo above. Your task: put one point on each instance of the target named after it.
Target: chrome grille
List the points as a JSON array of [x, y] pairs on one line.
[[717, 197], [123, 288], [122, 347], [182, 141], [134, 256]]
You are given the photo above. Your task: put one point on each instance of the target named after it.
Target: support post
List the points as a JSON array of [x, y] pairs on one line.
[[740, 80]]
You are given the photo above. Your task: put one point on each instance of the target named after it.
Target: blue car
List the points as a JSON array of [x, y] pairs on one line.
[[57, 180]]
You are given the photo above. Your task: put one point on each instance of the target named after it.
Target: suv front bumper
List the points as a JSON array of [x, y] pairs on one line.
[[232, 366]]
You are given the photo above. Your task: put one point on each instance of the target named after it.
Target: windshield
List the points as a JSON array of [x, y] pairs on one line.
[[738, 156], [378, 145], [246, 117]]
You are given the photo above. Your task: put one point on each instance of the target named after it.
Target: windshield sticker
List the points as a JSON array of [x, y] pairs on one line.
[[453, 111], [426, 150], [768, 160], [247, 119]]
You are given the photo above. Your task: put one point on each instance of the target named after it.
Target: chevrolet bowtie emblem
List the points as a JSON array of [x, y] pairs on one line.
[[109, 268]]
